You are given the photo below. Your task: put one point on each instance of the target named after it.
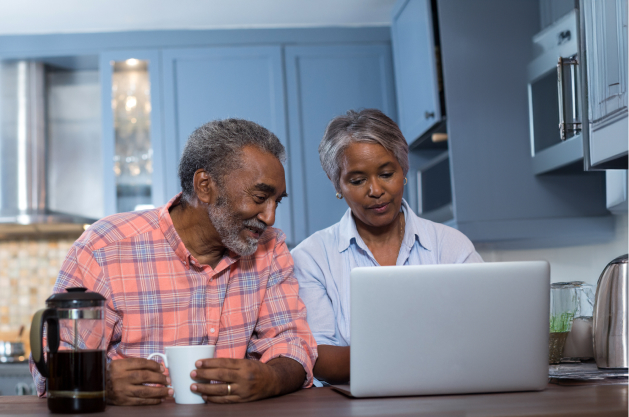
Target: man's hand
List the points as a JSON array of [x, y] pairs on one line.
[[126, 379], [248, 380]]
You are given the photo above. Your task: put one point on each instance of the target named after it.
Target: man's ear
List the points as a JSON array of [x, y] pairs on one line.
[[204, 187]]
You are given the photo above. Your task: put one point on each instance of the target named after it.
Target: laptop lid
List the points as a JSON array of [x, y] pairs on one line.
[[449, 329]]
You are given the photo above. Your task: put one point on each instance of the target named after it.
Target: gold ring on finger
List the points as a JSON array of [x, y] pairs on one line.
[[229, 389]]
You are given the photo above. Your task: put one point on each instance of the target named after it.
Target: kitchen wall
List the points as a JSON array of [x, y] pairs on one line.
[[28, 270], [572, 263]]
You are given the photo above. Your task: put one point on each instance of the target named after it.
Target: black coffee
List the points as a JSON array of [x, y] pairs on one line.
[[77, 381]]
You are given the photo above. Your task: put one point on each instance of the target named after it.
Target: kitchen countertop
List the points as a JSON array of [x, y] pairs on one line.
[[593, 399]]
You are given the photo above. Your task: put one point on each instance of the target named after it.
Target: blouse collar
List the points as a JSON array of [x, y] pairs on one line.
[[413, 230]]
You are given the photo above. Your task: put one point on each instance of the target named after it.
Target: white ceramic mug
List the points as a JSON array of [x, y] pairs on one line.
[[180, 361]]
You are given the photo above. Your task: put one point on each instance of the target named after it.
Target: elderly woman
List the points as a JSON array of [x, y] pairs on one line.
[[365, 156]]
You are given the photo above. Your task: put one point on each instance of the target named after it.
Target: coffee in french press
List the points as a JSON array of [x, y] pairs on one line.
[[75, 350]]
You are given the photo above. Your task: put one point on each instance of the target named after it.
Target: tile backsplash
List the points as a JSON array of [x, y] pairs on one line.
[[28, 270]]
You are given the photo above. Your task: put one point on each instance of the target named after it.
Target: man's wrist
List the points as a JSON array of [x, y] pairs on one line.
[[276, 378], [289, 375]]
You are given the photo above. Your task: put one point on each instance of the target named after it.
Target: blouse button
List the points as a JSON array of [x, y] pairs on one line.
[[212, 330]]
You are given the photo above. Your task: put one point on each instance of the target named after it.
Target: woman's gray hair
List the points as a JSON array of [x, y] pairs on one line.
[[365, 126], [216, 147]]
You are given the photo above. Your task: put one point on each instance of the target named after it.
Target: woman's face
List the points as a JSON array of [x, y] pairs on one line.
[[372, 183]]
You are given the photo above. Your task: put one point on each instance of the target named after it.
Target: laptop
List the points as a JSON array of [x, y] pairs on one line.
[[449, 329]]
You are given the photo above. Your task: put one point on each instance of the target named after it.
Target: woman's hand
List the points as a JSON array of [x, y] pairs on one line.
[[332, 366], [246, 380]]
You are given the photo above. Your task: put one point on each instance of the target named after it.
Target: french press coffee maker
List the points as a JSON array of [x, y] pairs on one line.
[[76, 351]]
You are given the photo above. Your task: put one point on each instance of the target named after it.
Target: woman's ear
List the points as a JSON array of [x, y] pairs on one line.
[[204, 187]]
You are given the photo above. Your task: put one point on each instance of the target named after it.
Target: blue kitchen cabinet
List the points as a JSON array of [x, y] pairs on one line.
[[616, 185], [604, 49], [293, 81], [416, 67], [118, 158], [324, 82], [495, 195], [552, 10], [204, 84], [197, 76], [421, 110], [555, 126]]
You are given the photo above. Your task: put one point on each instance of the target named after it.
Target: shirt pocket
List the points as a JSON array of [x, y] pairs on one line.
[[152, 322]]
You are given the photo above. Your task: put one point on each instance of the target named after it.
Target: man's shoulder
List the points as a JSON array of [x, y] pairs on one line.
[[118, 227], [319, 243]]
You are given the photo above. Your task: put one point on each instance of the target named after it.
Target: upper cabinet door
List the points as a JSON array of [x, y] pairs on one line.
[[605, 30], [416, 79], [324, 82], [132, 147], [606, 37], [204, 84]]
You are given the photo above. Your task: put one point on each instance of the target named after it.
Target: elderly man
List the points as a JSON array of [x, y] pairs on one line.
[[206, 268]]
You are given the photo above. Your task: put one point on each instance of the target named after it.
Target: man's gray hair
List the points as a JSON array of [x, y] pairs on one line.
[[365, 126], [216, 147]]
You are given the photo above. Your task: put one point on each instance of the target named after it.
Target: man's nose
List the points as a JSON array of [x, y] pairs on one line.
[[268, 214]]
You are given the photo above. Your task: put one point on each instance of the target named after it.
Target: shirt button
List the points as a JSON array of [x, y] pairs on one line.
[[212, 330]]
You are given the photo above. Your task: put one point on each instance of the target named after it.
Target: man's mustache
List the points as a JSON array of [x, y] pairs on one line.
[[255, 224]]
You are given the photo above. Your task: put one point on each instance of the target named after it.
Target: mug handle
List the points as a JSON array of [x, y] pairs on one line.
[[48, 315], [161, 355]]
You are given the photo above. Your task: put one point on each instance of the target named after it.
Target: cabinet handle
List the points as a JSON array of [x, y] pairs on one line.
[[430, 115], [563, 37], [575, 124]]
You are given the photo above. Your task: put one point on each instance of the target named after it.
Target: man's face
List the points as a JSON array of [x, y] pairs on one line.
[[247, 200]]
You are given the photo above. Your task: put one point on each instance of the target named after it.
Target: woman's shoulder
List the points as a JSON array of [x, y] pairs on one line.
[[442, 230], [316, 254], [439, 234]]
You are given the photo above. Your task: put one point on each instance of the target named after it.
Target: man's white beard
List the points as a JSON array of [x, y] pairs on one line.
[[229, 226]]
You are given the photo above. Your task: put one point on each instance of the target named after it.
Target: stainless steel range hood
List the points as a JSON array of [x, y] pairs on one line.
[[24, 164]]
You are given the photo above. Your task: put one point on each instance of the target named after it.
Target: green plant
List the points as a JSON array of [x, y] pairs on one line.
[[561, 323]]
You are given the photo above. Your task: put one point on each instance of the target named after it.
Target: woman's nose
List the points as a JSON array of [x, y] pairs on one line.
[[375, 190]]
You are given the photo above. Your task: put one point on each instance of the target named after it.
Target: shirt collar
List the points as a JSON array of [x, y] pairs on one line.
[[172, 237], [413, 230], [168, 229], [347, 231]]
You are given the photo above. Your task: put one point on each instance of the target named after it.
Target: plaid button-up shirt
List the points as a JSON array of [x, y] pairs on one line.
[[159, 295]]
